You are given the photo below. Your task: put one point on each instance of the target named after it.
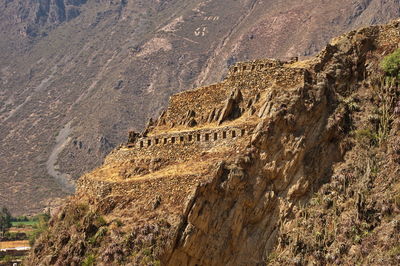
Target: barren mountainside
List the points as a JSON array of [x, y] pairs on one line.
[[76, 75], [281, 163]]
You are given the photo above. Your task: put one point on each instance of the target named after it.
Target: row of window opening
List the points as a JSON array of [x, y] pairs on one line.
[[190, 138], [244, 68], [251, 67]]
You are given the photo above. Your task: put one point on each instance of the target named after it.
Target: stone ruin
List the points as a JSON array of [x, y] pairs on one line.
[[188, 137], [219, 113]]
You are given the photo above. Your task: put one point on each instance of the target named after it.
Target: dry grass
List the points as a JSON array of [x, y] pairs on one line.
[[302, 64], [14, 244], [111, 173], [177, 169], [180, 129], [20, 230]]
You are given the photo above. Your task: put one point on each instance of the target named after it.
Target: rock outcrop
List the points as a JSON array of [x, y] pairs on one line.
[[226, 189]]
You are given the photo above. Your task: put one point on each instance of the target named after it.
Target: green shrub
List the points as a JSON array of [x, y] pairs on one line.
[[100, 221], [272, 257], [98, 236], [89, 260], [147, 252], [7, 259], [40, 227], [366, 135], [118, 222], [395, 251], [391, 64]]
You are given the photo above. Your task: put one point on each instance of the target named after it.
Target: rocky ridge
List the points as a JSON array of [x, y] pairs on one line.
[[228, 170]]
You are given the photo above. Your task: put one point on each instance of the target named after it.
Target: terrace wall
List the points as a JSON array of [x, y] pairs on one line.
[[182, 145]]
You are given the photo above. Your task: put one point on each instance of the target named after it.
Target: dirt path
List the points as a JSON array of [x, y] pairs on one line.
[[52, 168]]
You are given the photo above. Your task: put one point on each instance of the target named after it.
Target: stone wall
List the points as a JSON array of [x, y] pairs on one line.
[[278, 75], [254, 66], [195, 106], [181, 146], [189, 137], [198, 101]]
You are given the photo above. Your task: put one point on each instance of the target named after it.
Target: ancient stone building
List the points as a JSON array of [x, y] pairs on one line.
[[216, 115]]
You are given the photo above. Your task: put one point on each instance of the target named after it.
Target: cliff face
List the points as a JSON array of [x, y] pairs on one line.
[[76, 75], [263, 167]]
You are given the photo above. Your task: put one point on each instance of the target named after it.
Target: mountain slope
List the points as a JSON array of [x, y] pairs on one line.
[[75, 76], [281, 163]]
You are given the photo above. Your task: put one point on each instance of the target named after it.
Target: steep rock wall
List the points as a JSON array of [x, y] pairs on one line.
[[238, 216]]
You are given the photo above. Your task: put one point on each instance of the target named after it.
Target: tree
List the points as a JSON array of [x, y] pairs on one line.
[[5, 220]]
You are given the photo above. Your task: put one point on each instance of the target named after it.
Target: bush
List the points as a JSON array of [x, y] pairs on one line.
[[7, 259], [391, 64], [367, 136], [118, 222], [40, 228], [94, 240], [100, 221], [395, 251], [89, 260]]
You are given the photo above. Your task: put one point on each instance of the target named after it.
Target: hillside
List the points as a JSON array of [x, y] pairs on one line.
[[282, 162], [76, 75]]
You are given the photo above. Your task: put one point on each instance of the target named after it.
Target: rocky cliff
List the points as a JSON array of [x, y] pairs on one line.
[[283, 162], [76, 75]]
